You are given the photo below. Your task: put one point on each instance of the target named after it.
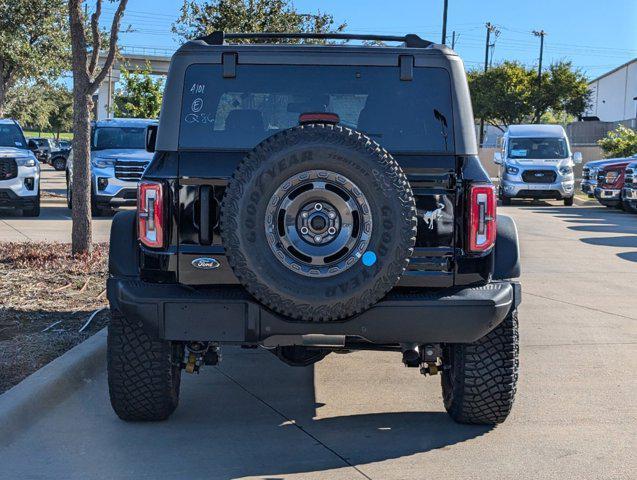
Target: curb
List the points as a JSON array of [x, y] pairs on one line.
[[33, 397], [585, 203]]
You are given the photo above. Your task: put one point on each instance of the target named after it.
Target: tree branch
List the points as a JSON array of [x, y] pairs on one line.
[[97, 40], [112, 46]]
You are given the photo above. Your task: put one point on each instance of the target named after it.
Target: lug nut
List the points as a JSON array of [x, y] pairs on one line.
[[331, 230], [304, 230], [332, 215], [317, 238], [318, 207], [304, 214]]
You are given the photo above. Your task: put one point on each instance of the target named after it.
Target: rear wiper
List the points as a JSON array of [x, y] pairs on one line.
[[443, 126]]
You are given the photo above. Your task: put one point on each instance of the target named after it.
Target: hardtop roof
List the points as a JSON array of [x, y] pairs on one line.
[[124, 122], [535, 131]]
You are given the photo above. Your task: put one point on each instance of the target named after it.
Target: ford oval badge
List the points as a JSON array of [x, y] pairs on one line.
[[205, 263]]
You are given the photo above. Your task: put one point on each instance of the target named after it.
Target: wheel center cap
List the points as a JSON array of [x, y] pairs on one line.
[[318, 223]]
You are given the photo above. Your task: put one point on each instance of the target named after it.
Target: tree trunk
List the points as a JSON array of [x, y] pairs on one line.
[[82, 234], [3, 89]]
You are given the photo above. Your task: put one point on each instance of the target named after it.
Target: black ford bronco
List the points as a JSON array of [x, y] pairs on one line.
[[314, 198]]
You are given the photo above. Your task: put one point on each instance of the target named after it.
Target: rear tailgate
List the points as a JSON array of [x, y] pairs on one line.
[[433, 181]]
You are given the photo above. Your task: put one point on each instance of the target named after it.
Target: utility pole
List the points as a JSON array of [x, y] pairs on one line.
[[444, 21], [540, 34], [490, 28]]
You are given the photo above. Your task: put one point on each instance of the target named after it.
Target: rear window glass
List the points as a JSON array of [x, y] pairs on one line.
[[238, 113], [537, 148]]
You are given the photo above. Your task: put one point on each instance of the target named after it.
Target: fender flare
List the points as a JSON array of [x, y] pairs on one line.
[[507, 250], [123, 252]]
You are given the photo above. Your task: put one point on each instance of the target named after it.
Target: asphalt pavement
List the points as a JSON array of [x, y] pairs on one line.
[[54, 222], [364, 415]]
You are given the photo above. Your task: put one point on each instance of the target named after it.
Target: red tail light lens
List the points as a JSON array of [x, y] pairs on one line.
[[150, 214], [482, 218]]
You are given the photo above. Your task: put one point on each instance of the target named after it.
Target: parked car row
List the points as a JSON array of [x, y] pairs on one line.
[[118, 160], [53, 152], [612, 182]]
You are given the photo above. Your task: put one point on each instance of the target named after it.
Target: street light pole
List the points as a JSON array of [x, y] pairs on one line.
[[540, 34], [444, 21]]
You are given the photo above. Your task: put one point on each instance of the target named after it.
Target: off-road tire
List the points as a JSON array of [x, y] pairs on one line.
[[568, 201], [315, 147], [479, 379], [143, 373]]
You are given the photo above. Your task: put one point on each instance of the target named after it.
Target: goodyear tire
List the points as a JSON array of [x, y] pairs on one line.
[[480, 378], [318, 222]]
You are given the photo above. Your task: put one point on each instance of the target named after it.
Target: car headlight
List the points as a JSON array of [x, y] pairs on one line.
[[27, 161], [512, 170], [98, 162], [566, 170]]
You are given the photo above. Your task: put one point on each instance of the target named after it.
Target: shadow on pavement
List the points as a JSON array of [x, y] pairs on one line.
[[601, 220], [353, 439]]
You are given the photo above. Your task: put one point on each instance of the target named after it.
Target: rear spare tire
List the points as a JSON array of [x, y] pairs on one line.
[[318, 222]]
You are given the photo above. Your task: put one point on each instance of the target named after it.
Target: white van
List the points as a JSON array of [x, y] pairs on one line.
[[536, 162]]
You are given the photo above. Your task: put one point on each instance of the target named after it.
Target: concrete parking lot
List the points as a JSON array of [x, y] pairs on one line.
[[54, 222], [364, 415]]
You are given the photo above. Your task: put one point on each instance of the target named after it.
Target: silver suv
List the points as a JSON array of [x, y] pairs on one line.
[[19, 171], [118, 160]]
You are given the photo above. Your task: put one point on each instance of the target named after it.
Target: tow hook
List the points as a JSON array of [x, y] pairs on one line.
[[198, 354], [431, 356]]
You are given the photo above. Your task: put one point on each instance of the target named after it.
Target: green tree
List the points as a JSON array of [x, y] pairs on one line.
[[61, 113], [34, 42], [508, 93], [28, 103], [564, 90], [621, 142], [199, 19], [502, 94], [140, 96]]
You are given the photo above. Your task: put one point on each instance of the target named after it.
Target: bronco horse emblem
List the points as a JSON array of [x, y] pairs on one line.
[[430, 216]]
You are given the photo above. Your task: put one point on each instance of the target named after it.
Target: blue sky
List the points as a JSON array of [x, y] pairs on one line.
[[597, 35]]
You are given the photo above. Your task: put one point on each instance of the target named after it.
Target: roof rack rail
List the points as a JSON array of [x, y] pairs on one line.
[[410, 40]]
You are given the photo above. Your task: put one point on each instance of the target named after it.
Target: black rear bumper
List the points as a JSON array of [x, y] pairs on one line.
[[230, 315]]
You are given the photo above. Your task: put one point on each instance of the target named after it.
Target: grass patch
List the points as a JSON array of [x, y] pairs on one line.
[[63, 135]]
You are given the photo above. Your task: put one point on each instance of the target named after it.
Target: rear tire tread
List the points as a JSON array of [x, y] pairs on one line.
[[143, 382], [480, 386]]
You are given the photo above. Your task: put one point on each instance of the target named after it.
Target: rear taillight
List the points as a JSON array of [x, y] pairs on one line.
[[150, 214], [482, 217]]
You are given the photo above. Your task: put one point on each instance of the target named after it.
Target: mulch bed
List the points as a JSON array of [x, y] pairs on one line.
[[46, 297]]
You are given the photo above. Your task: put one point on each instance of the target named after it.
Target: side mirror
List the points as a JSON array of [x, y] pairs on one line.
[[151, 138], [31, 145], [497, 158], [577, 157]]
